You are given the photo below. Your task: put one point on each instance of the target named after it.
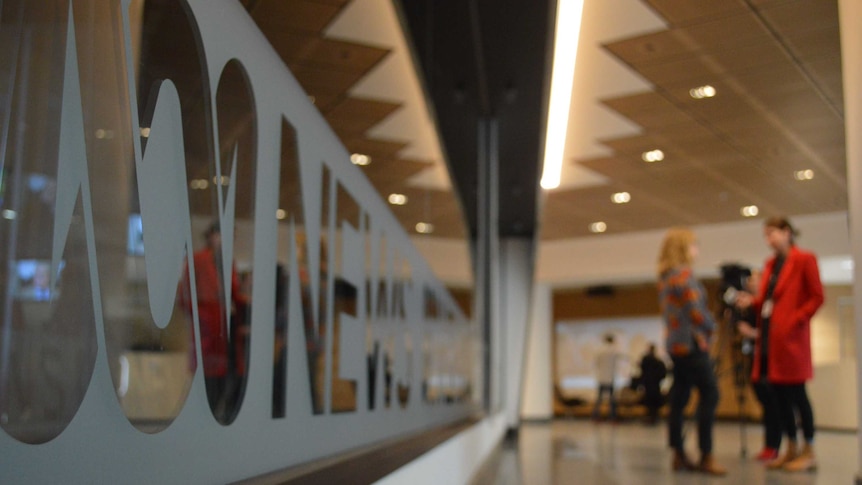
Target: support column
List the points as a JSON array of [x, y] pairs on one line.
[[486, 260], [516, 282], [537, 402], [850, 11]]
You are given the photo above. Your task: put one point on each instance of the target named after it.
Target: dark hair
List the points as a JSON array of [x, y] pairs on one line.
[[213, 228], [784, 224]]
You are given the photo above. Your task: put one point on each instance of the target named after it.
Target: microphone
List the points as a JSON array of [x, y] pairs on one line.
[[730, 295]]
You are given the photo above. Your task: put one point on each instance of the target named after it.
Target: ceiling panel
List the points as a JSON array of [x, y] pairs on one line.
[[310, 49], [649, 48], [776, 112], [298, 15], [775, 64], [685, 11], [729, 32], [354, 116], [649, 110], [801, 16]]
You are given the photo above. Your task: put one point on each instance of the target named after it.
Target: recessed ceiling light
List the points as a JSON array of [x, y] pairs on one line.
[[621, 197], [749, 211], [9, 214], [598, 227], [702, 92], [803, 174], [397, 199], [653, 156], [280, 214], [199, 184], [360, 159], [424, 228]]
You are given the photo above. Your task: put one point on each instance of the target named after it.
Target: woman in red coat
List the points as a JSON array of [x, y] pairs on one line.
[[790, 293]]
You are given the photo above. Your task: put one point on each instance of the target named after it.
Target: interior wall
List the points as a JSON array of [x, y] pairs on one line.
[[631, 257], [537, 398]]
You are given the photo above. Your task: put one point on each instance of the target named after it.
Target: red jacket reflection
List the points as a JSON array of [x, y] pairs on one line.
[[797, 296], [213, 312]]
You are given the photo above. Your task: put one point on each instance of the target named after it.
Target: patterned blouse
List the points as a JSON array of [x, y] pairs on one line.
[[688, 322]]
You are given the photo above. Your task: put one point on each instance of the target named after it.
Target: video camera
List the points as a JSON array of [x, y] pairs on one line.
[[734, 278]]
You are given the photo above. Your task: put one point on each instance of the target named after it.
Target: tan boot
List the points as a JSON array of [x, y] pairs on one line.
[[710, 467], [804, 461], [788, 456], [681, 463]]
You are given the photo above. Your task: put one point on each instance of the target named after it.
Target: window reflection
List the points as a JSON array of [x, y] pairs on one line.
[[298, 256], [59, 210], [47, 324]]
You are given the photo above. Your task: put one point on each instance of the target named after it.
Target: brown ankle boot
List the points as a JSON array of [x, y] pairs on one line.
[[681, 462], [710, 467], [804, 461], [788, 456]]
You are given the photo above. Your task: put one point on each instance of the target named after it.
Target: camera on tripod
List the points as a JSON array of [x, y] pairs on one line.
[[734, 279]]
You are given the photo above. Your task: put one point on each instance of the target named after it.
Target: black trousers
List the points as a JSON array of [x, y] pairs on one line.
[[793, 399], [693, 371], [772, 422]]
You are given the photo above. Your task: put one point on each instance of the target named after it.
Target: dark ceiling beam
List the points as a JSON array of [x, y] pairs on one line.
[[481, 59]]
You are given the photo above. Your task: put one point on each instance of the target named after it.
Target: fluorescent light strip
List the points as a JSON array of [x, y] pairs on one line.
[[566, 33]]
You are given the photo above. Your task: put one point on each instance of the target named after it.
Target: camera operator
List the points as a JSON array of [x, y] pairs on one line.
[[745, 321]]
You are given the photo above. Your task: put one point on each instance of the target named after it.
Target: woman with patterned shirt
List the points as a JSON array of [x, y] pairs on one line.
[[688, 326]]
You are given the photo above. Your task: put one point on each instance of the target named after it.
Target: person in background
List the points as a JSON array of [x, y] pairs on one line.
[[689, 327], [789, 294], [215, 314], [606, 371], [653, 371]]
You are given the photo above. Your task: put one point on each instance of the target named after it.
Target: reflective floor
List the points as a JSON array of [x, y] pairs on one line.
[[580, 451]]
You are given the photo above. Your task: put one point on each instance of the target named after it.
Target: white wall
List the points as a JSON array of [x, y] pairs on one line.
[[537, 400], [456, 460], [851, 49], [632, 256], [516, 280]]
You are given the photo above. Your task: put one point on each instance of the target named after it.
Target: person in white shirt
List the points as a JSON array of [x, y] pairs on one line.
[[606, 370]]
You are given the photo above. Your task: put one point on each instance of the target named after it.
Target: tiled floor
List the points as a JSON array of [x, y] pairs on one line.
[[583, 452]]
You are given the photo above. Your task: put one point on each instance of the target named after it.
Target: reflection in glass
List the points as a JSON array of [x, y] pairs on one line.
[[347, 335], [87, 245], [297, 256], [140, 119], [47, 323]]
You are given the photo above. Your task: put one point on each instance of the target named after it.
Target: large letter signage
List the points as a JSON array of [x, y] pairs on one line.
[[193, 270]]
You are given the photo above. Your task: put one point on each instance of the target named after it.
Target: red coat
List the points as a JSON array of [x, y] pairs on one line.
[[797, 296], [214, 313]]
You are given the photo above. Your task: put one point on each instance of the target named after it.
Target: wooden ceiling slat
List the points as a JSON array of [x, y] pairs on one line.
[[298, 15], [355, 116], [307, 49], [375, 148], [686, 11], [317, 81]]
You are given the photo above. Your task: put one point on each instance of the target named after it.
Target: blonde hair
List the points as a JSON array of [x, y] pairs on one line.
[[675, 250]]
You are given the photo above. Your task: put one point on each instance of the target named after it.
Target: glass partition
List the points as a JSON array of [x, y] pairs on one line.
[[189, 255]]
